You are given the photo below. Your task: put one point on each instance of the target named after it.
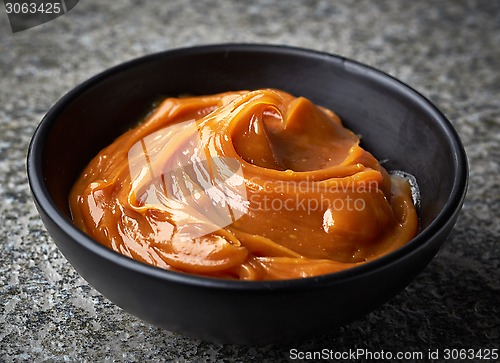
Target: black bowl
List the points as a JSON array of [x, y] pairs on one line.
[[396, 123]]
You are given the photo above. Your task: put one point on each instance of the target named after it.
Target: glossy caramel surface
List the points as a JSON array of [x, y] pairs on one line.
[[250, 185]]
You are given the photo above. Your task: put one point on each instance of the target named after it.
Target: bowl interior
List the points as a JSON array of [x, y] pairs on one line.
[[395, 122]]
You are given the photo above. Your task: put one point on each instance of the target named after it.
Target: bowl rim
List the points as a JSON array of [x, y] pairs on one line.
[[47, 205]]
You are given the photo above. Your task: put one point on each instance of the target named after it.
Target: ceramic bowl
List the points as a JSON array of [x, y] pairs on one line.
[[396, 123]]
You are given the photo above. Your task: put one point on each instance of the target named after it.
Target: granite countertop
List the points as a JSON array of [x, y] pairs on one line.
[[448, 50]]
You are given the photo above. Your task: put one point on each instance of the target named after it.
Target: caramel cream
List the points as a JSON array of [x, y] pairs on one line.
[[250, 185]]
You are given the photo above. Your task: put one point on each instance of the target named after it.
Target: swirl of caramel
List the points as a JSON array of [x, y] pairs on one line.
[[250, 185]]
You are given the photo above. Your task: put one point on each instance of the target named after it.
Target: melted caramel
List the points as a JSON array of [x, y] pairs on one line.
[[253, 185]]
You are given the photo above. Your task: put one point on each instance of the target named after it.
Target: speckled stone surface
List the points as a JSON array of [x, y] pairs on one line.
[[448, 50]]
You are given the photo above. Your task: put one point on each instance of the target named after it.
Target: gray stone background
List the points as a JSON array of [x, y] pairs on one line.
[[449, 50]]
